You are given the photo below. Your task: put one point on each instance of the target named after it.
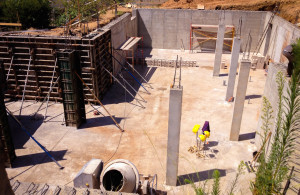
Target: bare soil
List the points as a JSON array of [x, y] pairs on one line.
[[77, 30], [288, 9]]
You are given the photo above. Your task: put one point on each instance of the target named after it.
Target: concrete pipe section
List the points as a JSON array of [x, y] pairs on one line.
[[120, 176]]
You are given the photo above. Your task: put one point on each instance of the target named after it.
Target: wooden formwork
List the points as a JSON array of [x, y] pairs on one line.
[[8, 154], [72, 88], [33, 58]]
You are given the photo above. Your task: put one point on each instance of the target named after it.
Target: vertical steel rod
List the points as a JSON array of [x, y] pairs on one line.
[[40, 145], [100, 102]]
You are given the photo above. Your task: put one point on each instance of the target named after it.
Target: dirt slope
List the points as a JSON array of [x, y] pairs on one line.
[[288, 9]]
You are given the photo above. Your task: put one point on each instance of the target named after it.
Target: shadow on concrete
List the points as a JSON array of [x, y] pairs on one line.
[[210, 144], [117, 93], [38, 158], [149, 72], [198, 176], [247, 136], [147, 52], [252, 96], [99, 121], [18, 135], [223, 75]]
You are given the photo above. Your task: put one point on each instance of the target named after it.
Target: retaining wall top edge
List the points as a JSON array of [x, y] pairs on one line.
[[246, 11]]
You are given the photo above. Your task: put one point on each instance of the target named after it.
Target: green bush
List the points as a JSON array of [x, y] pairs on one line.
[[31, 13]]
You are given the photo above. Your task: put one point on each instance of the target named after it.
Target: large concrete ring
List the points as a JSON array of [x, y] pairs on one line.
[[120, 175]]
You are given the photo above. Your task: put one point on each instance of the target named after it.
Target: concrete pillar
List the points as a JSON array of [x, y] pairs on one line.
[[175, 104], [233, 67], [240, 99], [219, 47]]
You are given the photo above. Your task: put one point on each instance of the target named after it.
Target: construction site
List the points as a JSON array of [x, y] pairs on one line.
[[152, 102]]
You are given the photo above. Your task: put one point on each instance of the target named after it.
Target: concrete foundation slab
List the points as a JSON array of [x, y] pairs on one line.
[[144, 141]]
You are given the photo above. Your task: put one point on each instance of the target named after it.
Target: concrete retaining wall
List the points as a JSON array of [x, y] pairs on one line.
[[121, 28], [164, 28], [271, 93], [283, 34]]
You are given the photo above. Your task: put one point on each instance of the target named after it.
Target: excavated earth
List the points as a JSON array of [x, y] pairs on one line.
[[287, 9]]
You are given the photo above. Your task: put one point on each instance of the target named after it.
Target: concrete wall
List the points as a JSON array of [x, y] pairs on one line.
[[164, 28], [121, 28], [149, 2], [271, 93], [283, 33]]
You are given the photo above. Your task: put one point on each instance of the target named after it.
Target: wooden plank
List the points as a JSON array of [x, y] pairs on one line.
[[133, 43], [209, 26], [10, 24], [126, 43]]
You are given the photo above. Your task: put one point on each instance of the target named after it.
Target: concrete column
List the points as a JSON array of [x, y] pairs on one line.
[[175, 104], [219, 48], [233, 67], [240, 100]]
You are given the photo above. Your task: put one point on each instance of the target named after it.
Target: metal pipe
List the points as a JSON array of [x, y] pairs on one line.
[[123, 86], [134, 69], [132, 87], [128, 72], [12, 59], [26, 79], [23, 128], [50, 90], [100, 102]]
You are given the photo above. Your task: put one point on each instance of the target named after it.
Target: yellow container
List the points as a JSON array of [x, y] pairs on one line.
[[196, 128]]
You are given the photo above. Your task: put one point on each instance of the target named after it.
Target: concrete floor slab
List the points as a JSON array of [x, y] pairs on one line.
[[144, 141]]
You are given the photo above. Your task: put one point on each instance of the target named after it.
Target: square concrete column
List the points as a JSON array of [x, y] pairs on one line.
[[240, 99], [219, 47], [175, 105], [233, 67]]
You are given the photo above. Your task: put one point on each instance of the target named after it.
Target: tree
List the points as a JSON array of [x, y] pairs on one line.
[[31, 13], [35, 13]]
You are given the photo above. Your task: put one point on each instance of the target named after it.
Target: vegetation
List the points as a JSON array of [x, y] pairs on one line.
[[216, 186], [273, 170], [200, 189], [240, 171], [31, 13], [42, 13]]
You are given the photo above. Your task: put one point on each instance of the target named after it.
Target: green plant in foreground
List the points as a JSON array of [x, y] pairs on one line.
[[240, 171], [199, 190], [263, 174], [216, 186], [273, 170]]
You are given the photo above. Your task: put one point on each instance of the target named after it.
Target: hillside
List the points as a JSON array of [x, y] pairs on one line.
[[288, 9]]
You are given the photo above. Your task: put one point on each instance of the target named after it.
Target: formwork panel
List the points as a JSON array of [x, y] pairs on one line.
[[20, 51], [72, 89], [5, 134]]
